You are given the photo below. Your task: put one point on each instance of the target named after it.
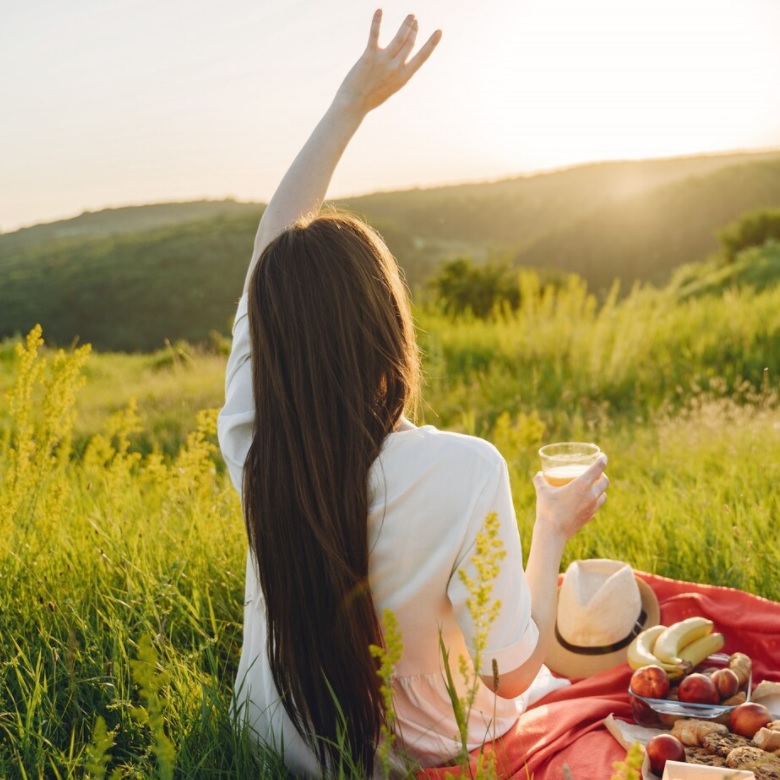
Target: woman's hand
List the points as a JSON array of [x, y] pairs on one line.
[[374, 77], [379, 73], [564, 510]]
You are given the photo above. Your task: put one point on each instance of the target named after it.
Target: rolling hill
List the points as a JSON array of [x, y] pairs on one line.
[[130, 278], [126, 219], [648, 235], [521, 211]]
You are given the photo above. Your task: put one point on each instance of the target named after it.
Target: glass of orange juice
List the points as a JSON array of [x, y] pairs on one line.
[[565, 461]]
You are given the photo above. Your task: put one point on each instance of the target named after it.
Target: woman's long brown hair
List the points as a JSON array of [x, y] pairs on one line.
[[334, 365]]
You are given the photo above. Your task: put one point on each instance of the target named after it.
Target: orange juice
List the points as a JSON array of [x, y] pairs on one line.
[[562, 475]]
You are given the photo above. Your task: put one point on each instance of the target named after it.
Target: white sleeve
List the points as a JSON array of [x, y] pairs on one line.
[[236, 418], [513, 635]]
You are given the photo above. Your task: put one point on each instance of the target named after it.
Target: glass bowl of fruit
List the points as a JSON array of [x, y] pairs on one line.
[[707, 691]]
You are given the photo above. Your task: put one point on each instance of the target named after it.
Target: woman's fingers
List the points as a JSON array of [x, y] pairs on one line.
[[408, 25], [426, 50], [408, 44], [379, 73], [376, 24], [569, 507], [593, 472]]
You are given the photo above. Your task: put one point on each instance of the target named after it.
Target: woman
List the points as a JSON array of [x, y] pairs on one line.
[[350, 509]]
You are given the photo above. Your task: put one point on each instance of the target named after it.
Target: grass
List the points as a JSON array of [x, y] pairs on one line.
[[122, 547]]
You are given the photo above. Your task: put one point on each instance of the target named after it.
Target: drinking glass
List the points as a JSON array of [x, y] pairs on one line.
[[565, 461]]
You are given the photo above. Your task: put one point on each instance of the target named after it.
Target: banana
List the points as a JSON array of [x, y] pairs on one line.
[[669, 643], [702, 648], [640, 653]]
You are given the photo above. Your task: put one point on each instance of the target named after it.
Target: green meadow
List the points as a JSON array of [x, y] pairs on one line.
[[122, 547]]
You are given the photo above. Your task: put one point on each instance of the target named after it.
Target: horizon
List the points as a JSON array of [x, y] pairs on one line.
[[431, 186], [138, 105]]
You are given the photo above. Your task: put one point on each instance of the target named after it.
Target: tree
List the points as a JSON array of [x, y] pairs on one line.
[[753, 228], [463, 286]]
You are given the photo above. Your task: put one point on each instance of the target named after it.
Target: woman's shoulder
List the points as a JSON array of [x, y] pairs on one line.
[[427, 443], [442, 480]]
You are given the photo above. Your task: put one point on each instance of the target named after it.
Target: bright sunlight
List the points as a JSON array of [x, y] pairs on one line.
[[607, 79], [174, 101]]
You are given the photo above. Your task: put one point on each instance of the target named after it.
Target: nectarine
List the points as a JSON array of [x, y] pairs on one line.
[[652, 682], [698, 689], [726, 681], [643, 713], [662, 748], [748, 718]]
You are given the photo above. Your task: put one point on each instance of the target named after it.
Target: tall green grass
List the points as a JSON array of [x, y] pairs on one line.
[[122, 549], [99, 552], [573, 360]]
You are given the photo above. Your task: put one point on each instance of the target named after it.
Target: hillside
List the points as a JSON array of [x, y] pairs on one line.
[[510, 212], [130, 279], [127, 219], [757, 268], [129, 291], [647, 236], [521, 211]]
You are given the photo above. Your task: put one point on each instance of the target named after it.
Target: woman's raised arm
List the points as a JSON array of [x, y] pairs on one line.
[[379, 73]]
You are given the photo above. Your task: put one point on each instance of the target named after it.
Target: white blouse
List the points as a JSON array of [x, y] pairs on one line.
[[429, 494]]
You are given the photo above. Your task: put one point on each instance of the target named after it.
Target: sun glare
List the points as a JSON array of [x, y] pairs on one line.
[[161, 105], [608, 80]]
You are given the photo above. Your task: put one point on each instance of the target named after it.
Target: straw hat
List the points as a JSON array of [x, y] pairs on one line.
[[602, 606]]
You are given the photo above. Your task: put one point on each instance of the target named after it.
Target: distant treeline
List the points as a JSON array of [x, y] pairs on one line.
[[132, 278], [131, 291]]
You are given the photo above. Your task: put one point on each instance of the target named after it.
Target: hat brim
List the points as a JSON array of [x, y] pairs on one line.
[[568, 663]]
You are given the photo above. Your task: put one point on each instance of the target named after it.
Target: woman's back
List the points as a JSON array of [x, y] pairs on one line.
[[429, 493]]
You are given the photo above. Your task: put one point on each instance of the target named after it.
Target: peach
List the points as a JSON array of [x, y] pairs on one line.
[[652, 682], [697, 688], [748, 718], [726, 681], [662, 748], [643, 713]]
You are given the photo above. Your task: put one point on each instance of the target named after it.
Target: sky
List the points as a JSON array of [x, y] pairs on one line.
[[142, 101]]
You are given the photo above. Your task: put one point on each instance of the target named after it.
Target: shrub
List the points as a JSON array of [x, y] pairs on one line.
[[754, 228], [462, 286]]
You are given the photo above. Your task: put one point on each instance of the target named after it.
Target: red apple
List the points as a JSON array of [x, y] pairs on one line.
[[662, 748], [652, 682], [698, 689], [748, 718], [643, 713], [726, 681]]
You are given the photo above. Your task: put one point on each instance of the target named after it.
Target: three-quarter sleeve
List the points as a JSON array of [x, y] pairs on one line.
[[236, 418], [513, 635]]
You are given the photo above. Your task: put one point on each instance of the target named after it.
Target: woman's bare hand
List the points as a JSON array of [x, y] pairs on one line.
[[380, 73], [564, 510]]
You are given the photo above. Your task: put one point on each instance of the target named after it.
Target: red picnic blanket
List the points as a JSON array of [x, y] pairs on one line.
[[566, 728]]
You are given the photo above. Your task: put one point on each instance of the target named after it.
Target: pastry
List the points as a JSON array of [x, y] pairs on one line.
[[691, 731], [723, 744]]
